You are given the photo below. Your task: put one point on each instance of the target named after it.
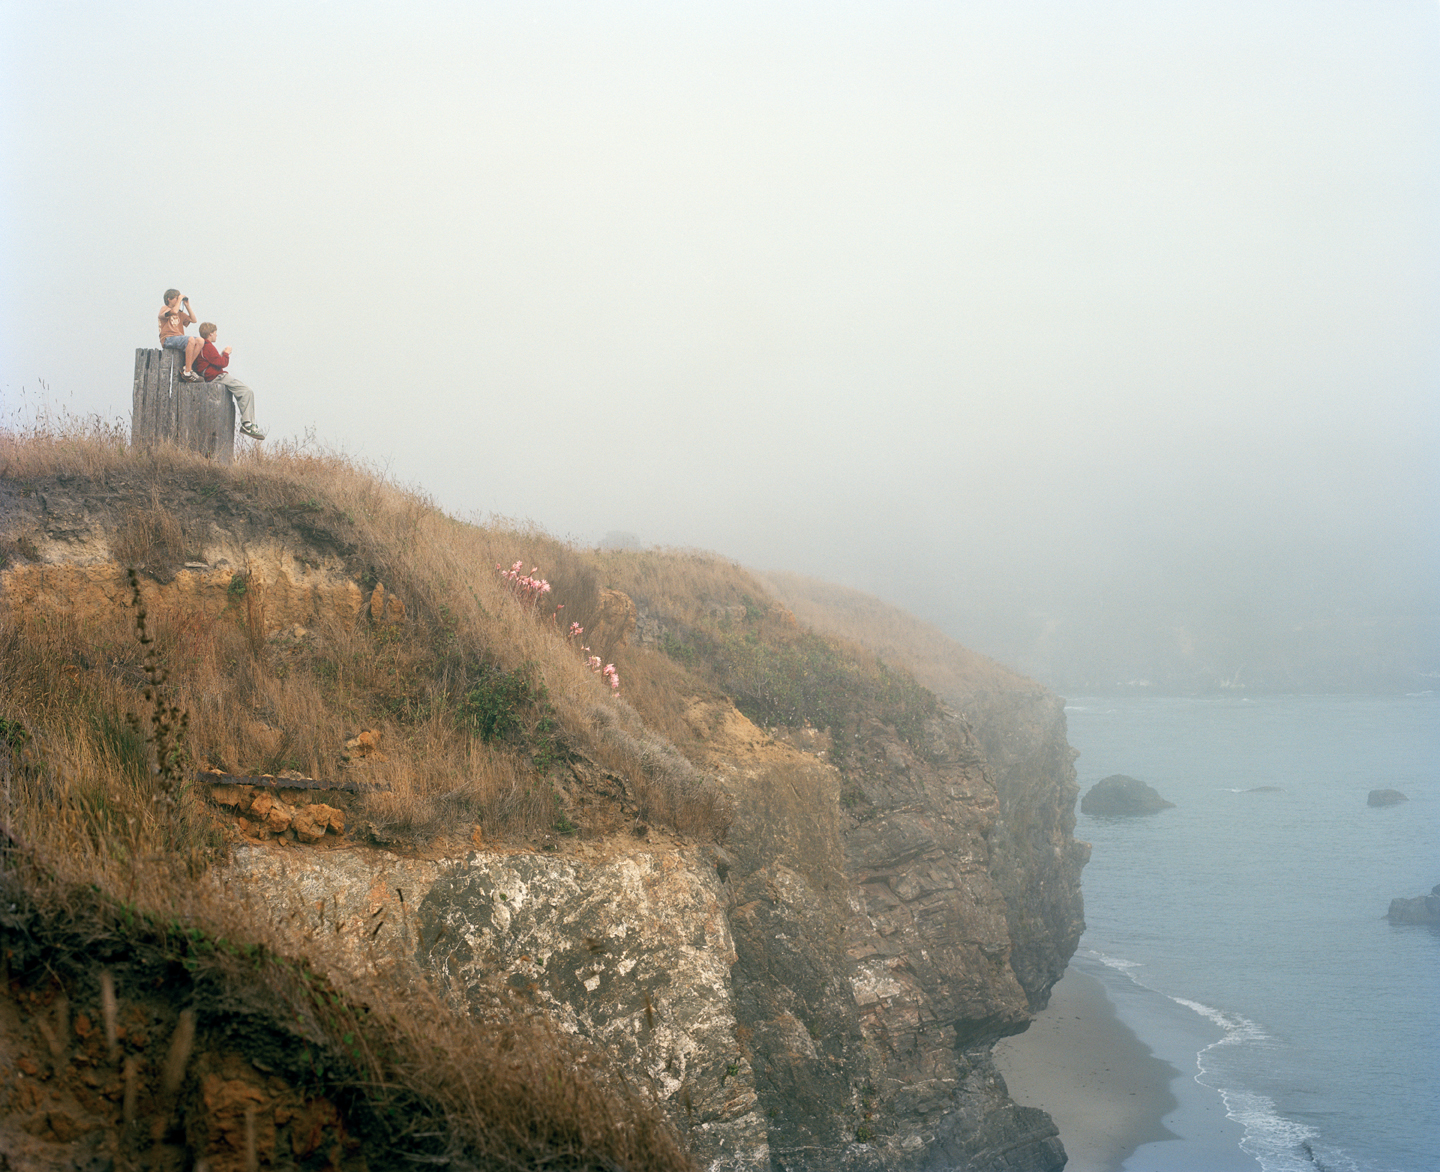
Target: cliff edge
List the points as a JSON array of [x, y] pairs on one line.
[[790, 887]]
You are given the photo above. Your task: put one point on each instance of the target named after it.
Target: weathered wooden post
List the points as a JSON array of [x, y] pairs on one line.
[[199, 416]]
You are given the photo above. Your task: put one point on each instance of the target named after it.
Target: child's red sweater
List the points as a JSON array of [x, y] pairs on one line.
[[211, 363]]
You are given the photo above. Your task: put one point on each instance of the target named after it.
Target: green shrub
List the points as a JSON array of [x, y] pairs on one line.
[[13, 735], [496, 701]]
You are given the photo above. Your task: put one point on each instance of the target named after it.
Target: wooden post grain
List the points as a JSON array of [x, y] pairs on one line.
[[198, 416]]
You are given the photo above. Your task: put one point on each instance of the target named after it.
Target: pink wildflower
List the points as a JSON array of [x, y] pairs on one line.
[[525, 587]]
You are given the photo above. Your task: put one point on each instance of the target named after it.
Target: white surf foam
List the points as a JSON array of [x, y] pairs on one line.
[[1121, 965], [1276, 1143], [1237, 1029]]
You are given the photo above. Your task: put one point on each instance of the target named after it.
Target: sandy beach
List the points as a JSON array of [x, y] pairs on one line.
[[1117, 1104], [1079, 1063]]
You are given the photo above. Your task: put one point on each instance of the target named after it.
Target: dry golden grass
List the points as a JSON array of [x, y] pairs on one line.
[[685, 584], [64, 445], [482, 704], [936, 660], [723, 623], [262, 703], [149, 537]]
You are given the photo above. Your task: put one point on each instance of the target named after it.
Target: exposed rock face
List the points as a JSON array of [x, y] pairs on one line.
[[633, 952], [1036, 859], [874, 957], [1118, 794], [822, 993], [1385, 797], [1423, 909], [263, 813], [631, 949]]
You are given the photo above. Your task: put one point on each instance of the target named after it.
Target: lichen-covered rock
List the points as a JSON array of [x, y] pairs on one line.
[[365, 898], [1121, 795], [821, 993], [633, 952]]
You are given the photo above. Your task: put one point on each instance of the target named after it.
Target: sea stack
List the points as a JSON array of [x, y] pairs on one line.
[[1118, 794], [1423, 909], [1385, 797]]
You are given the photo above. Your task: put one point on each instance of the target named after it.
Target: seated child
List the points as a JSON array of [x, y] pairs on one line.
[[173, 319], [212, 364]]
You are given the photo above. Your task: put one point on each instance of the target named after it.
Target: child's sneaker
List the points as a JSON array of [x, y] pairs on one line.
[[252, 431], [189, 376]]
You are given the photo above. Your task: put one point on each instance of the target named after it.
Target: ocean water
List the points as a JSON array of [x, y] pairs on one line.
[[1246, 926]]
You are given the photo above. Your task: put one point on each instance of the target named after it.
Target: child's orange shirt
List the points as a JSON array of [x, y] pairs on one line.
[[173, 322]]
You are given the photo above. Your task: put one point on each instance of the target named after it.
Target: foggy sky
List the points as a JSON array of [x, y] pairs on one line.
[[990, 309]]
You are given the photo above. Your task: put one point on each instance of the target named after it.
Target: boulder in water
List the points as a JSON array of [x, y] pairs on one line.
[[1385, 797], [1118, 794], [1423, 909]]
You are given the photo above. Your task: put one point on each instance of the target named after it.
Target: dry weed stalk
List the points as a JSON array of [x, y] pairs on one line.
[[431, 1082], [168, 720]]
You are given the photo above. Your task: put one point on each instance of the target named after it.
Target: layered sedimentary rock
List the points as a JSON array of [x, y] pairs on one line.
[[69, 545], [874, 954], [1036, 859]]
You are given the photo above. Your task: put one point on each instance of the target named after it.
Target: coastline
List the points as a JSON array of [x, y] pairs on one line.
[[1118, 1102], [1088, 1071]]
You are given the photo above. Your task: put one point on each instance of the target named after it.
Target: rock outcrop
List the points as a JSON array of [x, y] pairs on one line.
[[1036, 859], [1121, 795], [1385, 797], [820, 993], [634, 952], [1423, 909]]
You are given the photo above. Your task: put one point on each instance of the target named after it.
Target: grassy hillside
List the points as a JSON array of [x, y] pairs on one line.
[[936, 660], [493, 723]]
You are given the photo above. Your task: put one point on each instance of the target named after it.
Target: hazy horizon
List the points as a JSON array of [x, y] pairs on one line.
[[1088, 333]]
